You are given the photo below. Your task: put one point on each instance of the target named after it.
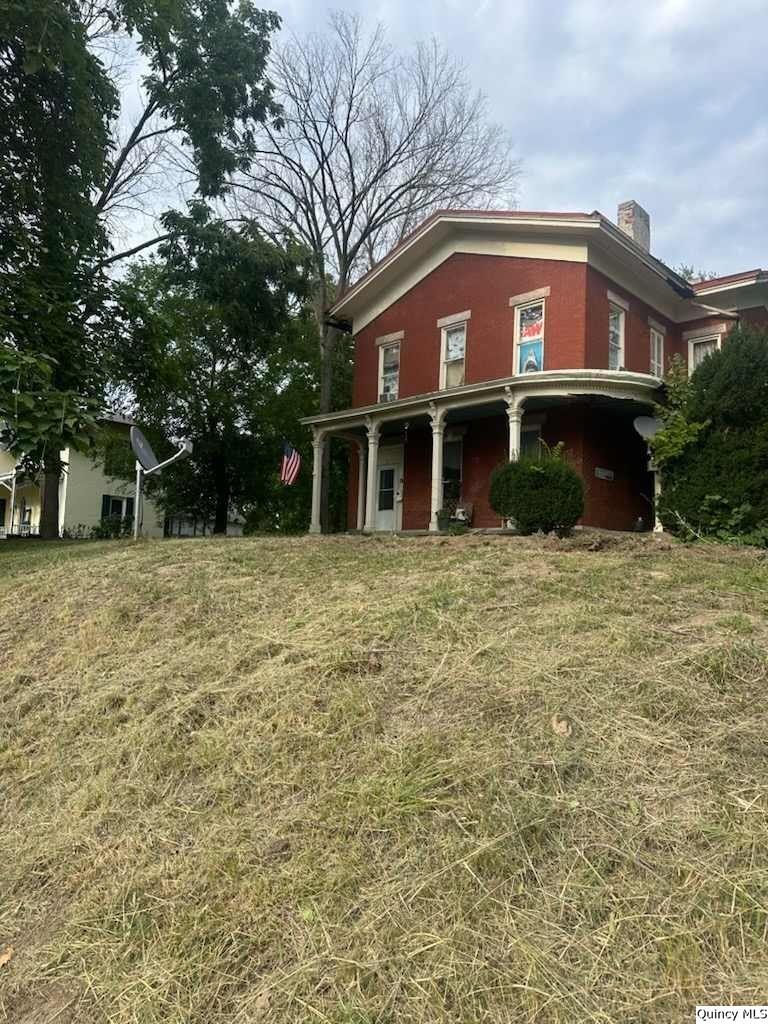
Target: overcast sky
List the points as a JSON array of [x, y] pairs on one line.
[[662, 101]]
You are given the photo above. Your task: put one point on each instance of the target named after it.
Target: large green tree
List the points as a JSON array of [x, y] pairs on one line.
[[67, 166], [212, 342], [56, 105]]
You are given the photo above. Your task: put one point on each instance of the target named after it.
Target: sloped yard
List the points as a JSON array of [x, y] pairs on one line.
[[360, 780]]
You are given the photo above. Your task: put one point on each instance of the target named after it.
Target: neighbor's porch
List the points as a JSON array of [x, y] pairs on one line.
[[19, 506]]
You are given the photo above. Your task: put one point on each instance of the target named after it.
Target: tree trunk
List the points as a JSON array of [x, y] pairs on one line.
[[221, 486], [328, 336], [49, 497]]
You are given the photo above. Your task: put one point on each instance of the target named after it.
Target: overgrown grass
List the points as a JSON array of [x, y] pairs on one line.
[[359, 780]]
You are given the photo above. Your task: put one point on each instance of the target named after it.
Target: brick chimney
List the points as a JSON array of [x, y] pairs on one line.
[[635, 222]]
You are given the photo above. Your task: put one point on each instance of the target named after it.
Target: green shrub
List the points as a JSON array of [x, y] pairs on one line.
[[715, 483], [544, 494]]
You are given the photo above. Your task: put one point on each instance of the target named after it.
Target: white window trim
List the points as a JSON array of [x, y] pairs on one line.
[[123, 499], [382, 349], [703, 333], [456, 321], [656, 331], [657, 326], [697, 339], [390, 339], [525, 297], [618, 300], [542, 301], [623, 333], [455, 318]]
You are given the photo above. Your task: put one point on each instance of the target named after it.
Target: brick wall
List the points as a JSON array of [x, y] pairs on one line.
[[417, 479], [756, 316], [611, 442], [637, 332], [592, 437], [482, 284]]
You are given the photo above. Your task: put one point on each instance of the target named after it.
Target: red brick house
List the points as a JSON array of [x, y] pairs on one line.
[[484, 332]]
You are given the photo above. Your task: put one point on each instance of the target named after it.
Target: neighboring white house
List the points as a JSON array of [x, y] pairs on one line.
[[87, 495]]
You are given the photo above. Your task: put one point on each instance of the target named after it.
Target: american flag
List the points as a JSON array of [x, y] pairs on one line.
[[290, 466]]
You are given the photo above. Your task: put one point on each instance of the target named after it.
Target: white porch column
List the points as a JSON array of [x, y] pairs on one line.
[[318, 448], [437, 417], [658, 526], [515, 416], [360, 485], [374, 426]]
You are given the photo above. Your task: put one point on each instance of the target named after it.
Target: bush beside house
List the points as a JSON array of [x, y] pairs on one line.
[[713, 452]]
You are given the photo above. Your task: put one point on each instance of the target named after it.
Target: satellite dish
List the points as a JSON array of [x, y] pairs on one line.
[[143, 450], [648, 426]]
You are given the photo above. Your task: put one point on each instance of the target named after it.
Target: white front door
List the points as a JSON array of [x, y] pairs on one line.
[[389, 490], [386, 506]]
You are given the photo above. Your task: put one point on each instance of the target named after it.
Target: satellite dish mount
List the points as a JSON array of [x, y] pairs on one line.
[[146, 464]]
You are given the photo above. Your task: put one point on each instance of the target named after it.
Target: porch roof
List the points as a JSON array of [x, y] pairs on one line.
[[618, 384]]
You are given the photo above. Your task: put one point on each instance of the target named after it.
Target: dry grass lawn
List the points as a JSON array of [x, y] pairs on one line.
[[350, 780]]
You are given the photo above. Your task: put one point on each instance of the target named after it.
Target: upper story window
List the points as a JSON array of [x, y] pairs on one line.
[[389, 366], [617, 322], [657, 352], [453, 348], [529, 337], [700, 348], [389, 372]]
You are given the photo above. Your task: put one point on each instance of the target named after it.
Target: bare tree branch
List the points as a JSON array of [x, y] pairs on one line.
[[373, 141]]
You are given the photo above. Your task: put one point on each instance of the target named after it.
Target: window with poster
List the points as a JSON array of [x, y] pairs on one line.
[[529, 337]]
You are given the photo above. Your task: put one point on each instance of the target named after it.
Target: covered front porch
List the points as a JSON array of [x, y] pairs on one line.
[[414, 458], [19, 505]]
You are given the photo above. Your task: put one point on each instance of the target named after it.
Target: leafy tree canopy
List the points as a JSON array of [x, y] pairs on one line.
[[211, 342]]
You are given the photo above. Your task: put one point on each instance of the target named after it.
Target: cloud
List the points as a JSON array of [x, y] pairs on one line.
[[662, 101]]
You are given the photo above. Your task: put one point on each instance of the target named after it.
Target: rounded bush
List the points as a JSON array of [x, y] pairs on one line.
[[538, 494]]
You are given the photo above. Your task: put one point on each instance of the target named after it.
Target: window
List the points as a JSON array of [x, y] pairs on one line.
[[530, 442], [657, 353], [529, 337], [616, 326], [386, 489], [454, 346], [389, 372], [452, 460], [700, 348], [116, 507]]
